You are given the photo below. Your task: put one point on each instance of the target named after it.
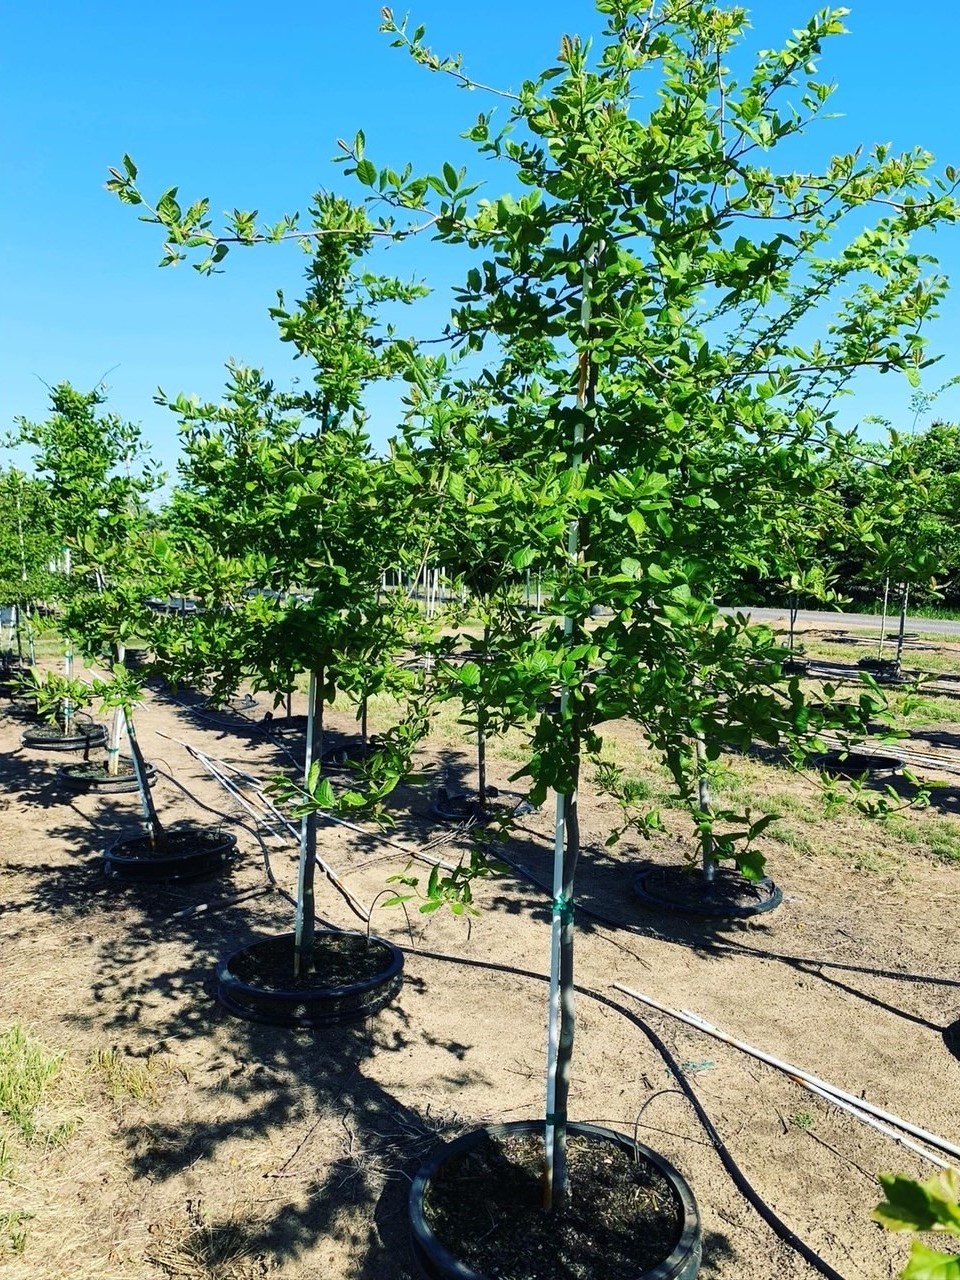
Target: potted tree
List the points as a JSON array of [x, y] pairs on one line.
[[643, 295]]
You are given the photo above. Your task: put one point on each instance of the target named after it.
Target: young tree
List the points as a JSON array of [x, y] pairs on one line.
[[644, 298], [99, 477]]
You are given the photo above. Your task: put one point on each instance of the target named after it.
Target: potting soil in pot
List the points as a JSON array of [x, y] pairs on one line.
[[684, 889], [173, 844], [339, 960], [621, 1218]]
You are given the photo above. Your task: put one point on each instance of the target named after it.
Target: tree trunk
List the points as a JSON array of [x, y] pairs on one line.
[[706, 807], [903, 621], [883, 615], [305, 923], [151, 818], [567, 1004], [482, 725], [116, 729]]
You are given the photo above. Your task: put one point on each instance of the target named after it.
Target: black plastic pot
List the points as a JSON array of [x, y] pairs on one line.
[[854, 764], [184, 854], [464, 807], [50, 737], [435, 1262], [244, 993], [795, 666], [351, 752], [951, 1038], [886, 668], [136, 659], [728, 896], [94, 778]]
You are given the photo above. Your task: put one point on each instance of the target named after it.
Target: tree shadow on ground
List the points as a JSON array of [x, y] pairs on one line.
[[606, 901]]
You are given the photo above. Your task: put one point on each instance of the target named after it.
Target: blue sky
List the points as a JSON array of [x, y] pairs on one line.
[[245, 105]]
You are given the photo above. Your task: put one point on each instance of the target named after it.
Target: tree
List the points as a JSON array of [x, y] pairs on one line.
[[99, 477], [642, 301]]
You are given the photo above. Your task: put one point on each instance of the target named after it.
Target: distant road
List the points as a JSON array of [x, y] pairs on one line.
[[849, 621]]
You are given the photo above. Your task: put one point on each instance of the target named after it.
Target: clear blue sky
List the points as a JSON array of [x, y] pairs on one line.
[[245, 105]]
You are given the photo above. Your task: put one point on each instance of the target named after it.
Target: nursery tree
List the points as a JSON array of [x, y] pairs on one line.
[[28, 548], [99, 477], [288, 524], [652, 289]]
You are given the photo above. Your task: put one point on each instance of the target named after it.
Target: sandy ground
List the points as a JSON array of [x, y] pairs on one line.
[[198, 1145]]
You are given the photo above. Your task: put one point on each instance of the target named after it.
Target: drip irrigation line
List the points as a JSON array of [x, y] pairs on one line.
[[822, 1087], [355, 906], [229, 901], [776, 1224], [218, 813], [734, 947]]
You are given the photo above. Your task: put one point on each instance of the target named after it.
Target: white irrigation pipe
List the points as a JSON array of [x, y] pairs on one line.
[[806, 1078], [417, 854]]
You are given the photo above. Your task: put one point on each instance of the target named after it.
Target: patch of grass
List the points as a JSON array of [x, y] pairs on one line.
[[27, 1070], [194, 1246], [13, 1234], [788, 804], [790, 837], [802, 1120], [125, 1077], [936, 836]]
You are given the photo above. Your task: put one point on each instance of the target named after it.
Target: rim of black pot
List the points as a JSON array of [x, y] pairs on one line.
[[423, 1232], [224, 974], [707, 909], [224, 840]]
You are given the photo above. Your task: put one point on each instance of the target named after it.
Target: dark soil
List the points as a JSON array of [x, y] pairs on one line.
[[170, 845], [621, 1217], [83, 733], [96, 771], [339, 960], [683, 888], [92, 775]]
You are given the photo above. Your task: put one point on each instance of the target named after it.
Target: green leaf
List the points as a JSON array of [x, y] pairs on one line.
[[919, 1206], [469, 675], [928, 1264], [751, 864], [366, 172], [324, 795], [450, 177]]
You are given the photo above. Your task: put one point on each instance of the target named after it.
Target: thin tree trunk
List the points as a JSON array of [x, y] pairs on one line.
[[363, 722], [116, 729], [903, 621], [706, 807], [151, 818], [567, 1010], [794, 608], [305, 924], [561, 1021], [482, 726], [883, 615]]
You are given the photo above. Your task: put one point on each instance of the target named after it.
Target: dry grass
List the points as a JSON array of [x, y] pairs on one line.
[[124, 1077], [193, 1245]]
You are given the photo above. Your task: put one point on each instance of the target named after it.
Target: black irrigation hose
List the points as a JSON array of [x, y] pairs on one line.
[[239, 822], [776, 1224]]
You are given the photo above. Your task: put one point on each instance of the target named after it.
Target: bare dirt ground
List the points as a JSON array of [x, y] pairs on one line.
[[178, 1141]]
